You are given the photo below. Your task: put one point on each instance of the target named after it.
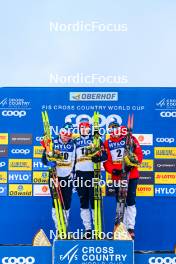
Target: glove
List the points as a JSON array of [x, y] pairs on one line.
[[96, 159], [131, 160], [116, 172]]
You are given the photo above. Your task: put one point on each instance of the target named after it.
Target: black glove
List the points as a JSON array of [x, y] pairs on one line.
[[128, 168], [116, 172], [96, 159]]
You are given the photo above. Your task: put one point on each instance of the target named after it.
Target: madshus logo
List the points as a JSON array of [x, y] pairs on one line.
[[93, 96]]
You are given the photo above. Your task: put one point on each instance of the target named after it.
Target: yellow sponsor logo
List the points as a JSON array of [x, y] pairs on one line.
[[165, 177], [20, 164], [147, 165], [3, 177], [145, 190], [20, 189], [40, 177], [165, 153], [3, 138], [38, 151]]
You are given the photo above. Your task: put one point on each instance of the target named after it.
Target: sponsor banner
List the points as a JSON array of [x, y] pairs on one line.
[[165, 152], [146, 177], [165, 190], [25, 255], [4, 139], [144, 139], [20, 189], [3, 176], [41, 190], [147, 153], [20, 164], [165, 177], [164, 140], [147, 165], [3, 189], [38, 151], [155, 258], [93, 251], [165, 165], [145, 190], [13, 113], [19, 177], [21, 139], [38, 165], [3, 151], [18, 151], [14, 103], [40, 177], [93, 96], [3, 164]]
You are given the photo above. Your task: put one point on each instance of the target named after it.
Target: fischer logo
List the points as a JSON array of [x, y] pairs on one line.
[[19, 260], [2, 164], [165, 140], [168, 114], [9, 113], [161, 260], [20, 151]]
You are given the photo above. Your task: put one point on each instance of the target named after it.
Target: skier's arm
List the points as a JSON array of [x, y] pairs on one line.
[[44, 160], [102, 155], [138, 150]]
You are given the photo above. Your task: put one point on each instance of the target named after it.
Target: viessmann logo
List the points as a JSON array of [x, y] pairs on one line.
[[93, 96]]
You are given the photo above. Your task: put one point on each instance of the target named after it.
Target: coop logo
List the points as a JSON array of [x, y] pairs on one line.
[[2, 164], [3, 190], [165, 140], [161, 260], [10, 113], [18, 260], [94, 96], [168, 114], [146, 152], [70, 255], [20, 151]]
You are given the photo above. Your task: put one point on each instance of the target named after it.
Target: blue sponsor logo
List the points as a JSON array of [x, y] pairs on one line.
[[79, 251], [38, 165], [3, 189], [19, 177], [20, 151], [3, 164], [165, 190]]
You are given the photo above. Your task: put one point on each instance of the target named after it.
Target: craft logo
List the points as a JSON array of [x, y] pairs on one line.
[[145, 139], [38, 151], [20, 189], [19, 177], [165, 152], [3, 190], [15, 103], [165, 190], [165, 165], [40, 177], [145, 190], [165, 178], [93, 96], [21, 139], [3, 139], [147, 165], [41, 190], [3, 177], [95, 253], [20, 164], [3, 151]]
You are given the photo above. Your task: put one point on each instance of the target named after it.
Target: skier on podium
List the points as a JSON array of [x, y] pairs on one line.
[[117, 156]]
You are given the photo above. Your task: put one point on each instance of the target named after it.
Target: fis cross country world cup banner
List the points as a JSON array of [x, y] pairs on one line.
[[24, 191]]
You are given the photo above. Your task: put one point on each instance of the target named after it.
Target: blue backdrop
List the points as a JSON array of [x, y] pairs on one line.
[[20, 117]]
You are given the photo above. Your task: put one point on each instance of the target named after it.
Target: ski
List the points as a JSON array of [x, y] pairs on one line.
[[97, 175], [55, 187], [120, 231]]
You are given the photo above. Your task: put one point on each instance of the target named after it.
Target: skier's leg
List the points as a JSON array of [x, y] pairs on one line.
[[131, 206]]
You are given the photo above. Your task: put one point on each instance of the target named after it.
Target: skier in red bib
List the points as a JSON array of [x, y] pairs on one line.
[[117, 162]]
